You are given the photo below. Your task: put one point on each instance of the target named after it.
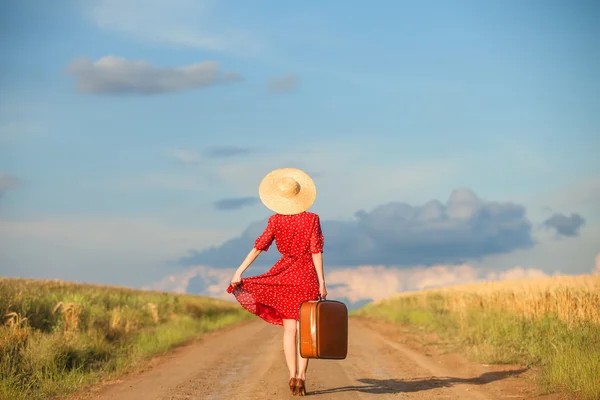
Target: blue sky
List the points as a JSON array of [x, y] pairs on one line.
[[122, 123]]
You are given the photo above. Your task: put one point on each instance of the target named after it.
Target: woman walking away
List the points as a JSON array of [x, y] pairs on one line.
[[276, 295]]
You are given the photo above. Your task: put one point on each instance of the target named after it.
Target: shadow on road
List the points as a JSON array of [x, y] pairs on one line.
[[388, 386]]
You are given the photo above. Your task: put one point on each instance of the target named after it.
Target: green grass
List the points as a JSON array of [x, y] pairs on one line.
[[95, 333], [568, 356]]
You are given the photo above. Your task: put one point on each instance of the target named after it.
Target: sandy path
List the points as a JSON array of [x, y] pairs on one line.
[[247, 362]]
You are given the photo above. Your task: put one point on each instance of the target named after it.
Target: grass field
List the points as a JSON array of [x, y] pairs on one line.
[[551, 323], [56, 337]]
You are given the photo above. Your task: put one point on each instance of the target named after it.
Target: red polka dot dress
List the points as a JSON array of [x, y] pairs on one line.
[[278, 293]]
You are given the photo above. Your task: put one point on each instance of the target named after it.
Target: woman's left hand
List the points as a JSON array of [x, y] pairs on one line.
[[323, 291]]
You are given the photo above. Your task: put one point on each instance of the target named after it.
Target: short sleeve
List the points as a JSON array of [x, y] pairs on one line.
[[316, 238], [263, 242]]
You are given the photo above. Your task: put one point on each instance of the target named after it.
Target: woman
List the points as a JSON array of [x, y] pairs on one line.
[[276, 295]]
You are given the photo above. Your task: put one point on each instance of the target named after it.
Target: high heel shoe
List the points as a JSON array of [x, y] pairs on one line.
[[300, 389], [292, 384]]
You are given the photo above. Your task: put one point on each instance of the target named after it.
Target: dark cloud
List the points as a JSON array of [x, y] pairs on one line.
[[114, 75], [235, 203], [282, 84], [400, 234], [192, 158], [228, 151], [7, 182], [563, 225]]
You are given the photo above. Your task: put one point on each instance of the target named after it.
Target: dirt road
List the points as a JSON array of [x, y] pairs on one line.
[[247, 362]]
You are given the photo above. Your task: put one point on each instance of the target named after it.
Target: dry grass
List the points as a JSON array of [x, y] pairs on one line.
[[58, 336], [552, 323], [70, 315], [573, 299]]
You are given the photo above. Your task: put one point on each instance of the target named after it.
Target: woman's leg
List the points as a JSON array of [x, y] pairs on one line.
[[289, 345], [302, 362]]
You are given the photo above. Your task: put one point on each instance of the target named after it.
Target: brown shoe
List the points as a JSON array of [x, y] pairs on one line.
[[299, 389], [292, 384]]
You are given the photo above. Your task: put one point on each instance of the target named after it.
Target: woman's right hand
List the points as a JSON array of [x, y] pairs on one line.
[[236, 280]]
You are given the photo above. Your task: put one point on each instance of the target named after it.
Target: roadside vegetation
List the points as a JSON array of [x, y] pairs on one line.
[[551, 323], [57, 337]]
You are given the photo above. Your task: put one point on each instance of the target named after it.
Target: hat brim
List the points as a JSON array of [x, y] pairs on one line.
[[269, 194]]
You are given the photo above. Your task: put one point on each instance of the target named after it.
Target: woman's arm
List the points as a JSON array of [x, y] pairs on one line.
[[248, 260], [318, 261], [244, 265]]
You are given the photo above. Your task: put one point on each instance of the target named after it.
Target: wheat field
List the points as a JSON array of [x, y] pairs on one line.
[[56, 337], [573, 299], [552, 324]]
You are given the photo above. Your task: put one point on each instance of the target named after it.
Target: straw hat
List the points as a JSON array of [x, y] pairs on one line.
[[287, 191]]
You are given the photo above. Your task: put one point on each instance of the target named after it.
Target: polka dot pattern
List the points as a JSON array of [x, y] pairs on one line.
[[278, 293]]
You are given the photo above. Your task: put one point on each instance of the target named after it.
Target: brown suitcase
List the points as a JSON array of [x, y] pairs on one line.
[[323, 329]]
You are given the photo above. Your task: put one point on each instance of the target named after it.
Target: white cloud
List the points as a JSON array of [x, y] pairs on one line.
[[185, 181], [186, 157], [191, 24], [117, 75], [581, 196], [7, 182], [193, 180], [353, 284], [569, 256], [336, 168], [191, 157], [583, 193], [107, 249], [516, 273], [215, 281], [339, 169], [378, 282], [282, 84]]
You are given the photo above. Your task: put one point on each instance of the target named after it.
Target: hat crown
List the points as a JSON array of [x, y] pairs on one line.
[[287, 191], [288, 187]]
